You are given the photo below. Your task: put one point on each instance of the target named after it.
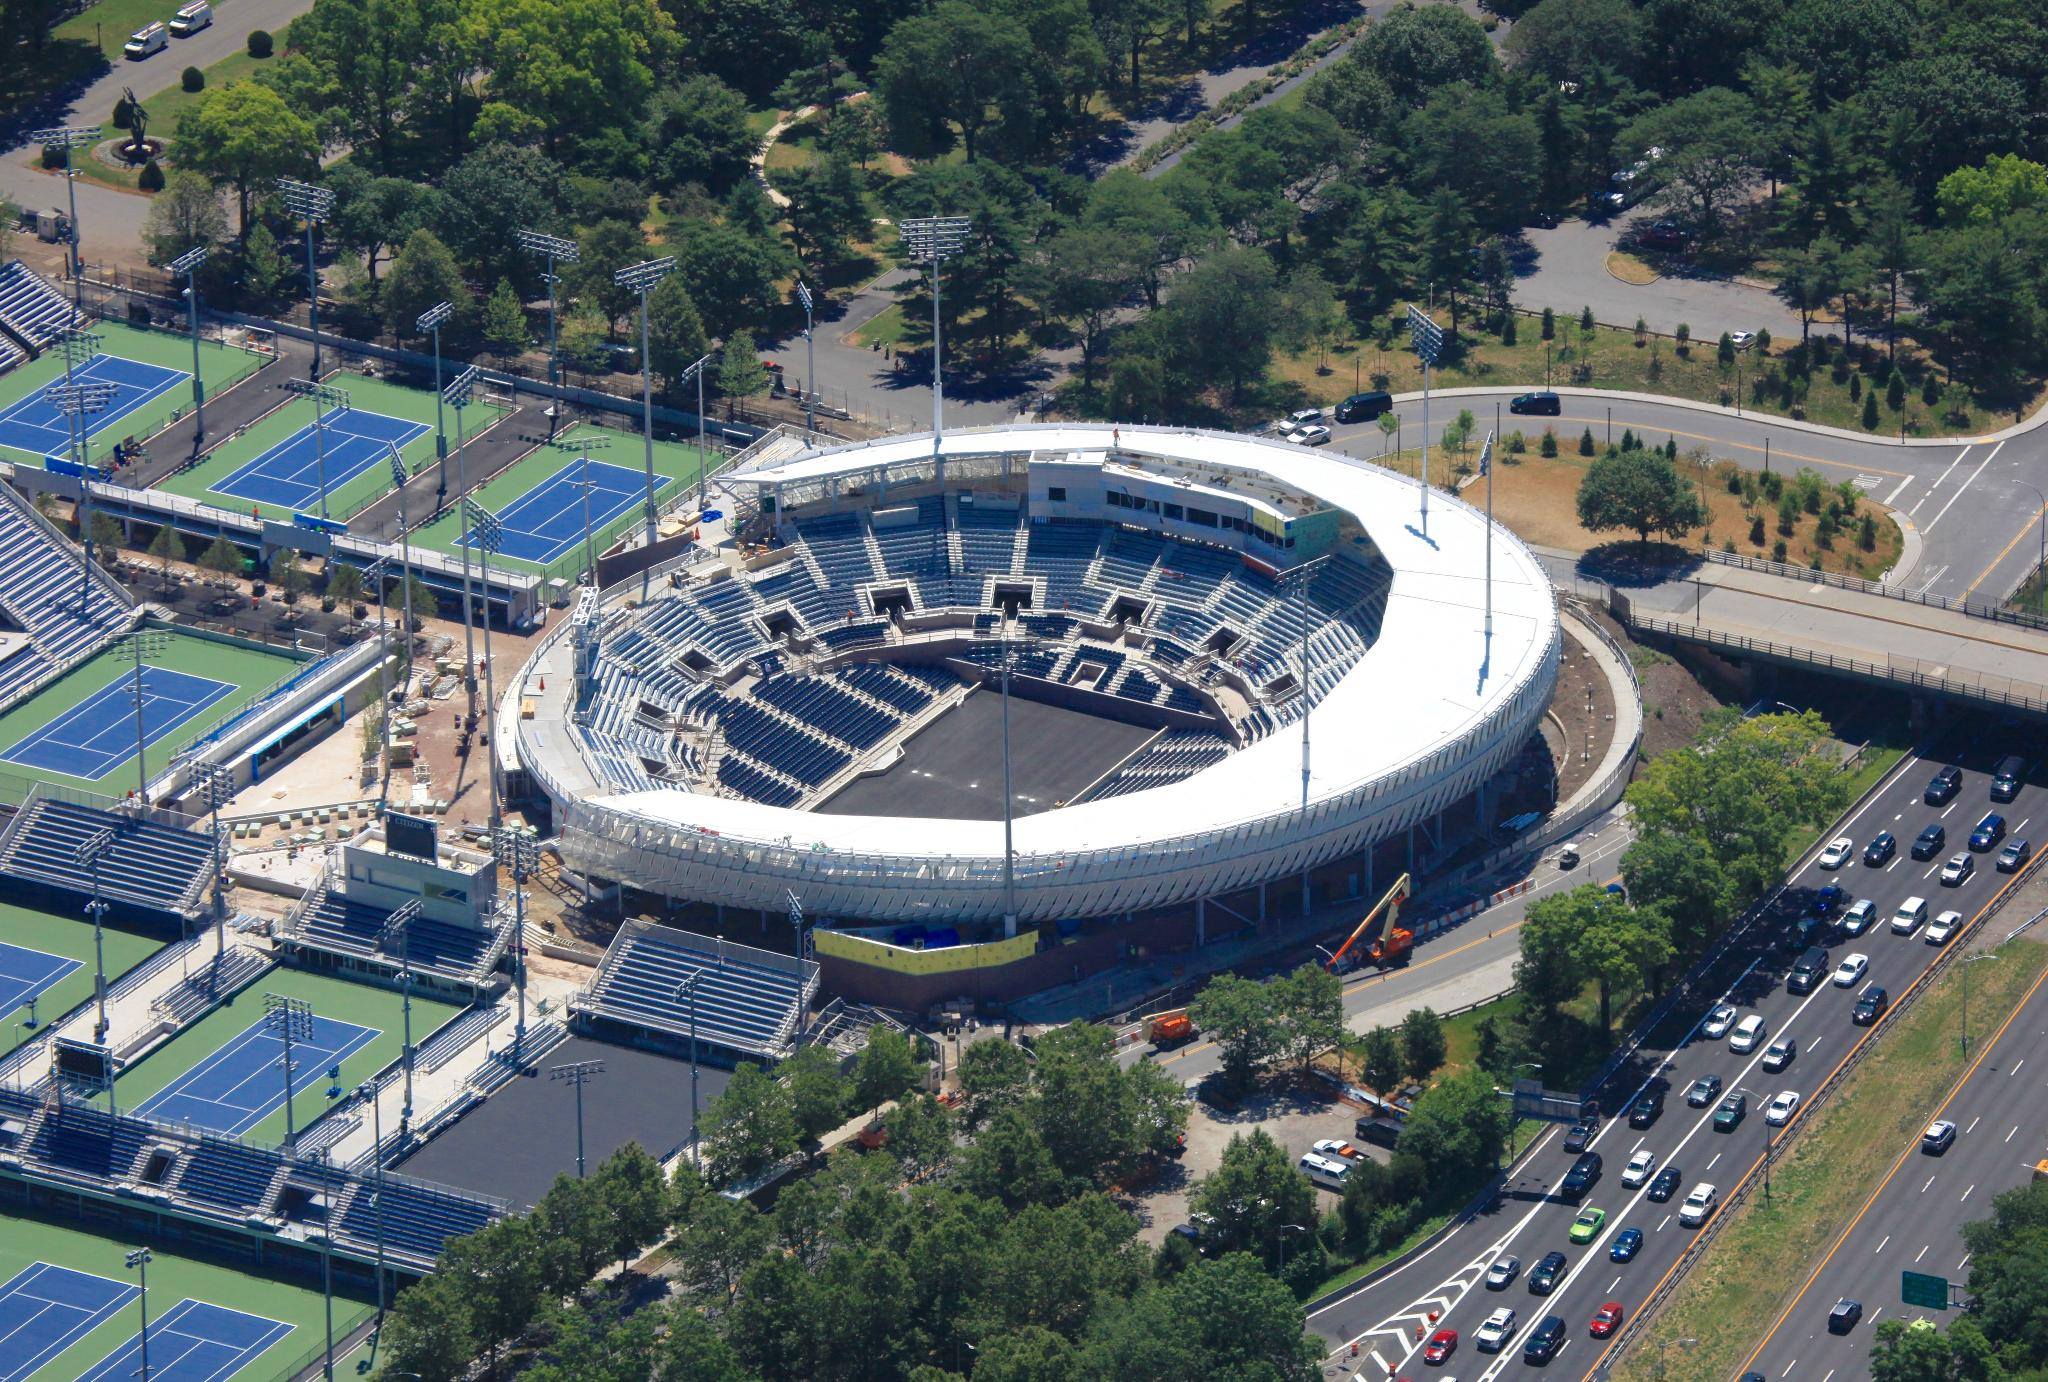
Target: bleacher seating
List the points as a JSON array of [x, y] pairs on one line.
[[778, 744], [41, 589], [227, 1175], [214, 979], [747, 1001], [33, 309], [87, 1142], [338, 926], [838, 544], [1175, 755], [828, 709], [747, 780], [416, 1218], [149, 864], [873, 679]]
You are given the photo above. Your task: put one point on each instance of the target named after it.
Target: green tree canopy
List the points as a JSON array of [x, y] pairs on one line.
[[1640, 491], [244, 135]]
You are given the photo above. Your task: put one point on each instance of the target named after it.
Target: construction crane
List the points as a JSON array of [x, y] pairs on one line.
[[1386, 941]]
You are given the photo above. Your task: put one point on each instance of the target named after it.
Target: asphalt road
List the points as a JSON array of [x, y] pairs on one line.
[[1911, 1220], [1532, 1217], [1567, 270]]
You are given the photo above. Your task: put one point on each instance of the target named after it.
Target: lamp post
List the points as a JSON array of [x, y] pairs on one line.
[[429, 324], [404, 557], [1428, 340], [323, 397], [150, 642], [188, 264], [288, 1019], [1486, 646], [458, 394], [1280, 1239], [138, 1261], [88, 853], [216, 783], [578, 1073], [686, 992], [803, 295], [368, 1092], [1663, 1344], [554, 249], [580, 448], [696, 370], [518, 850], [69, 138], [77, 402], [489, 536], [933, 240], [641, 278], [312, 205], [399, 925]]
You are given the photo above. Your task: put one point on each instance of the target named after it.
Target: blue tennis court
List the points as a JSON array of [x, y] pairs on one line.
[[547, 520], [238, 1086], [25, 973], [45, 1310], [34, 424], [288, 474], [97, 735], [192, 1342]]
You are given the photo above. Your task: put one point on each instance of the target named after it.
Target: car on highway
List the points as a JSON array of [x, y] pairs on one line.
[[1315, 434], [1587, 1226], [1364, 407], [1733, 1110], [1872, 1004], [1942, 927], [1503, 1272], [1837, 853], [1704, 1091], [1626, 1245], [1843, 1317], [1856, 920], [1957, 870], [1943, 786], [1747, 1034], [1577, 1181], [1781, 1053], [1849, 973], [1665, 1186], [1543, 403], [1828, 900], [1698, 1205], [1582, 1134], [1641, 1166], [1606, 1319], [1989, 832], [1940, 1135], [1493, 1334], [1781, 1109], [1544, 1340], [1881, 848], [2014, 856], [1441, 1345], [1718, 1022], [1808, 971], [1649, 1105], [1928, 842], [1907, 919], [2007, 776], [1543, 1276]]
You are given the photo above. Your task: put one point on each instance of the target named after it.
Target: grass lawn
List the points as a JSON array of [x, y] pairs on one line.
[[252, 671], [1765, 1255], [886, 327], [376, 1008], [172, 1280], [71, 938]]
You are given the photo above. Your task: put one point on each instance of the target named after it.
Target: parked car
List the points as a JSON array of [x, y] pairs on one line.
[[1837, 853], [1928, 842], [1540, 404], [1314, 434], [1364, 407], [1743, 339]]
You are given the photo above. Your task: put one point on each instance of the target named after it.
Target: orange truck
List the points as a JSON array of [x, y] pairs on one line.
[[1379, 939], [1170, 1029]]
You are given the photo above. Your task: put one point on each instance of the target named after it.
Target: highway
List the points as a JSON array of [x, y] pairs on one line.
[[1912, 1218], [1532, 1217]]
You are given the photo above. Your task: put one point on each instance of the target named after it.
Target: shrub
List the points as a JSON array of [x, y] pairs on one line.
[[193, 79], [1507, 330], [1779, 550], [1548, 446], [1725, 351], [1756, 531], [260, 43], [1549, 324], [1586, 442], [1866, 533], [1870, 411], [151, 178], [1763, 340], [124, 114], [1684, 334], [1855, 387], [1586, 318], [1895, 392], [1930, 390]]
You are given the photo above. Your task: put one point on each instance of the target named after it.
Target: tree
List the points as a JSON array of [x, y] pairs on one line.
[[749, 1127], [1811, 277], [1980, 284], [503, 325], [884, 1070], [1155, 230], [2003, 185], [1083, 276], [423, 274], [1311, 318], [1641, 491], [1308, 1006], [1621, 946], [818, 1091], [1892, 240], [718, 1241], [701, 135], [489, 197], [369, 50], [1423, 1048], [578, 67], [344, 582], [1380, 1061], [428, 1331], [740, 372], [244, 135], [498, 1273], [1563, 40], [222, 558], [1082, 1104], [168, 547], [675, 334], [2009, 1274], [1222, 319], [1710, 157], [920, 1137], [185, 215], [1547, 972], [1458, 1129], [631, 1188], [953, 72], [1688, 885], [1419, 51], [603, 250], [828, 209], [1253, 1190], [265, 275], [994, 1072], [733, 275], [1914, 1352], [286, 573], [373, 214], [1238, 1015]]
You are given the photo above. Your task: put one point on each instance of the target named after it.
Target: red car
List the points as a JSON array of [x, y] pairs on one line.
[[1607, 1319], [1440, 1346]]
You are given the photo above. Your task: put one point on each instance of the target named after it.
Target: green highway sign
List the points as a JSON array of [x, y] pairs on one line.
[[1922, 1289]]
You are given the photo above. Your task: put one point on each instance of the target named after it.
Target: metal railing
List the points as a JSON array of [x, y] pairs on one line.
[[1975, 609]]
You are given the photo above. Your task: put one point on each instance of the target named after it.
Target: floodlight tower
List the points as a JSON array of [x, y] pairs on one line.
[[489, 535], [581, 448], [579, 1073], [1486, 469], [69, 137], [1428, 339], [641, 278], [399, 925], [216, 783], [79, 347], [144, 643], [312, 205], [78, 402], [516, 848], [324, 397], [696, 370], [803, 295], [686, 992], [933, 240], [138, 1260], [88, 853], [429, 323], [555, 250], [458, 395], [188, 264], [404, 557], [289, 1020]]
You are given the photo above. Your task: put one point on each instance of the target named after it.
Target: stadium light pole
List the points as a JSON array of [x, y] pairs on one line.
[[686, 991], [312, 205], [803, 295], [138, 1261], [1303, 575], [188, 264], [151, 642], [458, 394], [641, 278], [1428, 340], [1009, 804], [216, 783], [79, 346], [796, 924], [367, 1092], [77, 402], [933, 240], [555, 249], [324, 397], [489, 535], [288, 1019], [517, 849], [404, 556], [399, 924], [69, 137], [88, 853], [697, 369], [429, 324], [1486, 648], [578, 1073]]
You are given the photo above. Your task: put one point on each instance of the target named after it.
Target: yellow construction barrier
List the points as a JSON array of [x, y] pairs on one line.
[[951, 959]]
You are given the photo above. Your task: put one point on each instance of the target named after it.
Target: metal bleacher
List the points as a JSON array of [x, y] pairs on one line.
[[748, 1002], [150, 864], [40, 587], [330, 922], [31, 308]]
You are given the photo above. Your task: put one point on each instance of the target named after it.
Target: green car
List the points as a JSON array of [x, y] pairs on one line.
[[1587, 1224]]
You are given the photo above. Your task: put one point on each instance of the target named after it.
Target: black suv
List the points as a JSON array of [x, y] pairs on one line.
[[1646, 1110], [1543, 1276], [1544, 1341], [1808, 971], [1665, 1185], [1543, 404], [1944, 785], [1871, 1006], [1364, 407], [1929, 842], [1880, 849], [1580, 1178]]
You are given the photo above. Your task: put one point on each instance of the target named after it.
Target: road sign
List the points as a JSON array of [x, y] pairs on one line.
[[1533, 1101], [1923, 1289]]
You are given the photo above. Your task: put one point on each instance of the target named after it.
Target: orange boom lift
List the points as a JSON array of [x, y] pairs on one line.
[[1386, 941]]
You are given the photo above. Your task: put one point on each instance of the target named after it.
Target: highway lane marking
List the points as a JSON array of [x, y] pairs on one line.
[[1938, 481], [1962, 489], [1969, 1192], [1661, 1226], [1715, 1162], [1880, 1247], [1973, 1125], [1930, 1181], [1922, 1253], [1892, 498], [2016, 1069], [2003, 553], [1613, 1286]]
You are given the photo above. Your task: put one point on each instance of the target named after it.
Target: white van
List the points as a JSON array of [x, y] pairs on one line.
[[190, 19], [151, 38], [1747, 1034], [1912, 914], [1325, 1171]]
